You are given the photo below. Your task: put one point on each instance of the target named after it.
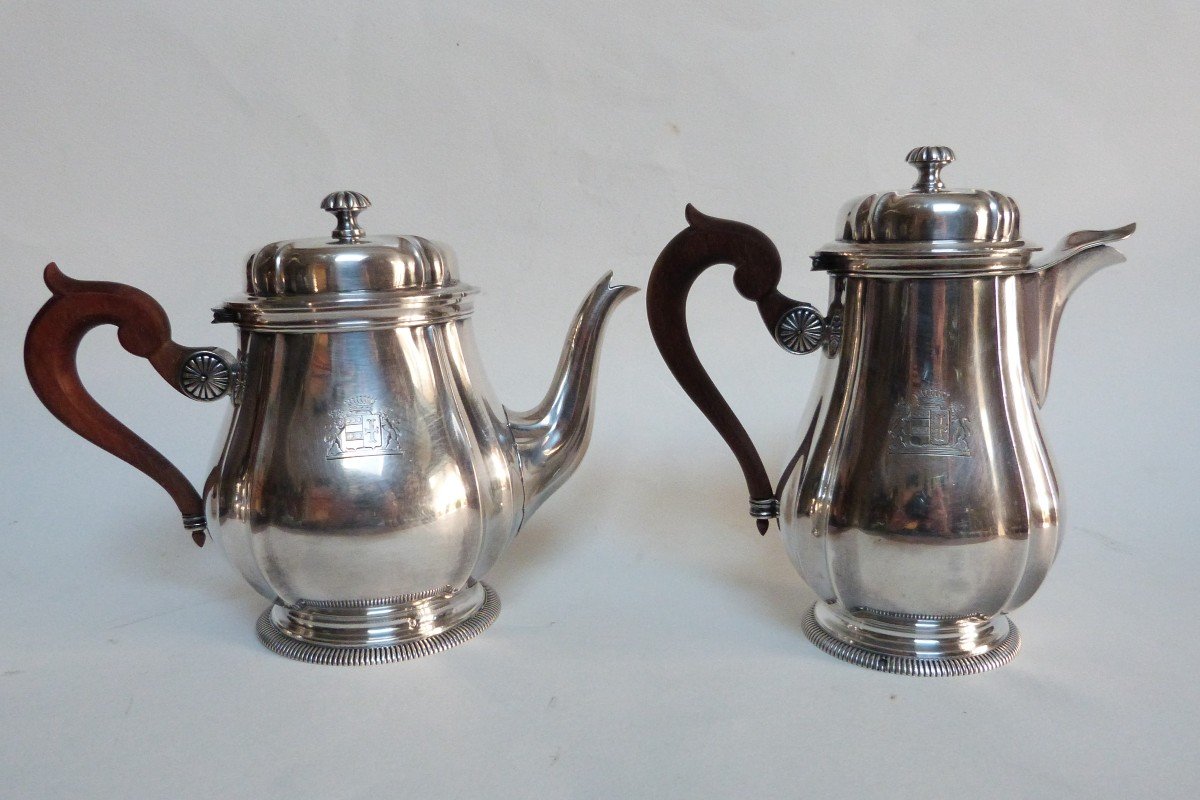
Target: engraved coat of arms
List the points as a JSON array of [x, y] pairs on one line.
[[358, 428], [930, 423]]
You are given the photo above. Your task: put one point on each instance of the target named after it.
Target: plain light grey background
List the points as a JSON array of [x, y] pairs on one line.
[[650, 641]]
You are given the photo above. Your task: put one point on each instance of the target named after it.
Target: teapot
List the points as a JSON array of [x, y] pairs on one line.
[[368, 478], [920, 504]]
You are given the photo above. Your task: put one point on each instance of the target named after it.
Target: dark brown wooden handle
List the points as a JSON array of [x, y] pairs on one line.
[[708, 241], [51, 346]]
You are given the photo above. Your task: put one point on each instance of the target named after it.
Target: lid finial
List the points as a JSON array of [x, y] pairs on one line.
[[929, 161], [345, 205]]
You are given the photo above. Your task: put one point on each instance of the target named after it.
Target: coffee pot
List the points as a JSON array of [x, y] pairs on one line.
[[920, 503], [368, 478]]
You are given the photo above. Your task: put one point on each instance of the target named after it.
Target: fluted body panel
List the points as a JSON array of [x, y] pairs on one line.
[[921, 502], [364, 464], [924, 487]]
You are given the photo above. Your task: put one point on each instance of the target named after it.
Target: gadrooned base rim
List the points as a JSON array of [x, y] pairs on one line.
[[998, 656], [279, 642]]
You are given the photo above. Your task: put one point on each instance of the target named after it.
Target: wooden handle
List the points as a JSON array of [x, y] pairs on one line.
[[51, 346], [708, 241]]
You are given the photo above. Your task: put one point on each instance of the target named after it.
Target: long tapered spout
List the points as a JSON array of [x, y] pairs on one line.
[[551, 437], [1045, 291]]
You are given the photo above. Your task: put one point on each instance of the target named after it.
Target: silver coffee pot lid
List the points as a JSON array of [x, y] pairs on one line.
[[928, 229], [348, 279]]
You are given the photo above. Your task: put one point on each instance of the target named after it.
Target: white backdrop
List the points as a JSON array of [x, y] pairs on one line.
[[650, 641]]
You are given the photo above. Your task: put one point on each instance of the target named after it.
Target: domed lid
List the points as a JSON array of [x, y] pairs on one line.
[[929, 228], [349, 279], [348, 260]]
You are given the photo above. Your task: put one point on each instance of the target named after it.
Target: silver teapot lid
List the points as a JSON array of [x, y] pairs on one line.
[[348, 279], [348, 260], [928, 229]]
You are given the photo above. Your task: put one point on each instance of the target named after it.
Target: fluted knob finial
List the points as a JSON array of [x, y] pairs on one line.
[[345, 205], [929, 161]]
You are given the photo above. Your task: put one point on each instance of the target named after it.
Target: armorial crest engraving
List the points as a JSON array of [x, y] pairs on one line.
[[929, 423], [359, 428]]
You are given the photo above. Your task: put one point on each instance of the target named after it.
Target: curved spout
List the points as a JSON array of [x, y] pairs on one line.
[[1045, 290], [552, 437]]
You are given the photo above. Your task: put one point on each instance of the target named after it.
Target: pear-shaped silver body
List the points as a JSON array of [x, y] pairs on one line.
[[920, 503], [369, 478]]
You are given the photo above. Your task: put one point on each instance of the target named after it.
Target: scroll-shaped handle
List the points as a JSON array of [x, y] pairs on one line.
[[797, 327], [51, 346]]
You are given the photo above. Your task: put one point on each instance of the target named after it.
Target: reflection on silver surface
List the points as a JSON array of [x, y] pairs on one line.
[[287, 631], [921, 504], [368, 478], [926, 488], [373, 463], [1046, 289], [928, 648], [552, 436]]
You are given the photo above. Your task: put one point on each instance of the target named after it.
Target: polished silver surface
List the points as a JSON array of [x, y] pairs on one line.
[[923, 494], [345, 206], [974, 646], [349, 266], [363, 464], [926, 488], [1045, 291], [928, 230], [369, 478], [318, 270], [207, 374], [375, 634], [929, 161], [923, 487], [921, 503], [764, 508], [930, 212], [367, 459], [348, 312], [552, 436], [801, 329]]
